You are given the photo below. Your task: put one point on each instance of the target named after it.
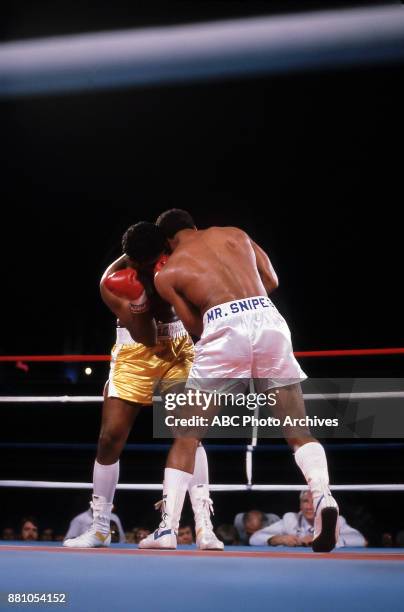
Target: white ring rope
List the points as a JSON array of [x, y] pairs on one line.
[[249, 451], [42, 484], [275, 44], [75, 399]]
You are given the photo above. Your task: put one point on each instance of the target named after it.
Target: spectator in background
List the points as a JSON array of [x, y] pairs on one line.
[[139, 533], [228, 534], [8, 533], [47, 535], [29, 529], [400, 539], [248, 523], [115, 535], [296, 529], [185, 535], [82, 522], [130, 536], [387, 540], [59, 537]]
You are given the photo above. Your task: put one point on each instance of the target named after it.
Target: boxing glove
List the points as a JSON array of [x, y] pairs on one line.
[[125, 284]]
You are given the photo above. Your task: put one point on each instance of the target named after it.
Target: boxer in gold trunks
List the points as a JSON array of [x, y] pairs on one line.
[[151, 344]]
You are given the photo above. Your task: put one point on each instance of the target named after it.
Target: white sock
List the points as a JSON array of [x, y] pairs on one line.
[[175, 479], [105, 479], [312, 461], [201, 470], [174, 488]]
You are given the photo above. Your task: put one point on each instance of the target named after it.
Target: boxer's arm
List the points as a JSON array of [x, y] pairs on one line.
[[142, 326], [188, 314], [265, 268]]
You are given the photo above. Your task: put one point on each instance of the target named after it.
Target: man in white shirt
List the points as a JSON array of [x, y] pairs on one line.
[[296, 529]]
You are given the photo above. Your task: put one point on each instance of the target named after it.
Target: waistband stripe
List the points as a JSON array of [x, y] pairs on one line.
[[164, 330]]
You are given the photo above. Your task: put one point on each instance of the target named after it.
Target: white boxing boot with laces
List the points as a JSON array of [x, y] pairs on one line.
[[202, 506], [311, 459], [326, 523], [165, 536], [99, 534]]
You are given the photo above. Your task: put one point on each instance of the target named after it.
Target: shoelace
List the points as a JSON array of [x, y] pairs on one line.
[[161, 505], [98, 513], [207, 505]]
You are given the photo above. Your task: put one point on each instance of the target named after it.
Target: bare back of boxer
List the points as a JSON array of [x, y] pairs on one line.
[[211, 267]]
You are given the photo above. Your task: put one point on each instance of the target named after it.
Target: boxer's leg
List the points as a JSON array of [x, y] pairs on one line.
[[311, 459]]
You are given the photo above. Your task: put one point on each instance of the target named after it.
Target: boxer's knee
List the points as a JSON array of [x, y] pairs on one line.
[[110, 444]]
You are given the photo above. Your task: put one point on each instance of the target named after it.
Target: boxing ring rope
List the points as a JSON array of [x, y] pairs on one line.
[[189, 53], [247, 448], [156, 447], [320, 353], [91, 399], [43, 484]]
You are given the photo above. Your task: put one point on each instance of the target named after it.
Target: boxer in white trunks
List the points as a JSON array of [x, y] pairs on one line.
[[218, 281]]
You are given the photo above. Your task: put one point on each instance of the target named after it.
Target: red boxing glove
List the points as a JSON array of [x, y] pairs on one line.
[[161, 263], [125, 284]]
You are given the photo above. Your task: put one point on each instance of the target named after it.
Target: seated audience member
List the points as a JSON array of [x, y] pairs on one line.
[[47, 535], [228, 534], [29, 529], [8, 533], [82, 522], [185, 535], [387, 540], [296, 529], [139, 533], [59, 537], [248, 523], [400, 539], [130, 536], [114, 532]]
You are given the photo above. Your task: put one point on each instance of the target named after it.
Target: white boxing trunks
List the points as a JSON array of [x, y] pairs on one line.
[[243, 340]]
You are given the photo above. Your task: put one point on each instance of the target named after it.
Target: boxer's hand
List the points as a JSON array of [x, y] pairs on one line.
[[125, 284], [160, 264]]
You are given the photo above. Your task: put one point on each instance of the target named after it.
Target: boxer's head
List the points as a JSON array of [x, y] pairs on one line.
[[173, 221], [143, 243]]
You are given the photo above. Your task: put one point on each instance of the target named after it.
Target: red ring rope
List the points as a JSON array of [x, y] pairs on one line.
[[330, 353]]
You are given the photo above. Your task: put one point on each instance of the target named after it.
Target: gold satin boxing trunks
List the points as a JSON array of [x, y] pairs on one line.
[[135, 369]]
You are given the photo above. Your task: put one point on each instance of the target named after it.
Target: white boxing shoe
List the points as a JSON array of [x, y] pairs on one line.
[[89, 539], [202, 506], [99, 534], [162, 539], [326, 524], [207, 540]]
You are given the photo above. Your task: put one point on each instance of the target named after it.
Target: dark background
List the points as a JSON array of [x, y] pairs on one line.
[[309, 164]]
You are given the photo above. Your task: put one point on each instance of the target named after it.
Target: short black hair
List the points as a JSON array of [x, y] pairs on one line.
[[143, 241], [174, 220], [248, 514], [227, 534], [29, 519]]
